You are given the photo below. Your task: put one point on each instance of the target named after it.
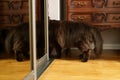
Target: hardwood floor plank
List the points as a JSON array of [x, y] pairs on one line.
[[10, 69], [105, 68]]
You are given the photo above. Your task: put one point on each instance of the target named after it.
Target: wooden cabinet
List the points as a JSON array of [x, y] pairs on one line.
[[13, 12], [103, 13]]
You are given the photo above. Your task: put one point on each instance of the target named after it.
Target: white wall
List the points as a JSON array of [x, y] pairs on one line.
[[111, 39], [54, 9]]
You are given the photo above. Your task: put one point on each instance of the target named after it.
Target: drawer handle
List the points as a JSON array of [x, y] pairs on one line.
[[82, 3], [82, 17]]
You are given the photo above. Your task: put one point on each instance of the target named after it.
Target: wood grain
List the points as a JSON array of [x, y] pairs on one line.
[[105, 68], [10, 69]]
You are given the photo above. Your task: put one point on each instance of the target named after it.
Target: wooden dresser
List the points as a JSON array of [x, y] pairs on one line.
[[103, 13], [13, 12]]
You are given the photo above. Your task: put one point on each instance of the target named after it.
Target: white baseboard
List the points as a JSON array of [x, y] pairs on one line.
[[111, 46], [108, 46]]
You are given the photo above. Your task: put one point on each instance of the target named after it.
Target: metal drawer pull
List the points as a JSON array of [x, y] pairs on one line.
[[77, 3], [82, 17], [82, 3]]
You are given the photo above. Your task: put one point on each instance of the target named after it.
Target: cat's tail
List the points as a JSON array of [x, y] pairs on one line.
[[98, 41], [9, 42]]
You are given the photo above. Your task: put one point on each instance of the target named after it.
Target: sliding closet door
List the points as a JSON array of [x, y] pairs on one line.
[[38, 39]]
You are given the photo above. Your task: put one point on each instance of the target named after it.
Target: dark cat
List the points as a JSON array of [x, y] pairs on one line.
[[68, 34], [17, 41]]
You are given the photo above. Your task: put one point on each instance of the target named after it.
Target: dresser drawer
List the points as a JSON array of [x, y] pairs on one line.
[[80, 17], [100, 17], [113, 17], [113, 3], [88, 17], [94, 3], [13, 18], [86, 3], [79, 3], [13, 4]]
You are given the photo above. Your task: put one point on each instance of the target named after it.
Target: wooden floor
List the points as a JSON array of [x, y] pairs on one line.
[[10, 69], [106, 68]]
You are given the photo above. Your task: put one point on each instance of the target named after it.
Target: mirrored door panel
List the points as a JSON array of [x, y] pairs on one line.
[[15, 61]]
